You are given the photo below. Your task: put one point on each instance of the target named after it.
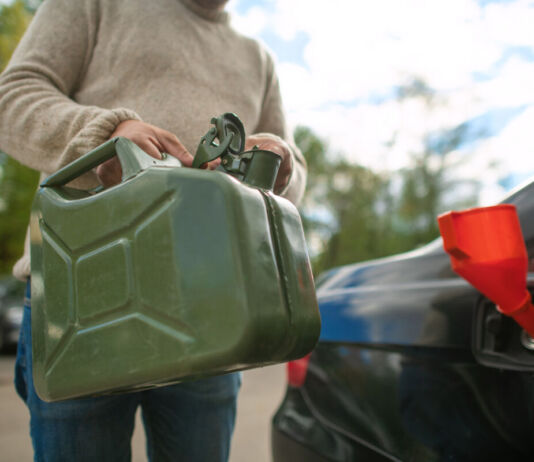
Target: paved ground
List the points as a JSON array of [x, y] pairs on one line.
[[261, 393]]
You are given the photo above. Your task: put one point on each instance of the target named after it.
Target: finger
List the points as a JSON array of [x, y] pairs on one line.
[[109, 173], [281, 182], [251, 142], [214, 164], [152, 147], [284, 173], [175, 148]]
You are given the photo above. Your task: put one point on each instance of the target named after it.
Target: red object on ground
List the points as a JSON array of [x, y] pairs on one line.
[[487, 249], [296, 371]]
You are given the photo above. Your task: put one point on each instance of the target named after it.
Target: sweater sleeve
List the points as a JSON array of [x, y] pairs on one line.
[[272, 120], [40, 124]]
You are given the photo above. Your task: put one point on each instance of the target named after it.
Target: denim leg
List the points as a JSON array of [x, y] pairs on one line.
[[20, 362], [91, 429], [191, 421]]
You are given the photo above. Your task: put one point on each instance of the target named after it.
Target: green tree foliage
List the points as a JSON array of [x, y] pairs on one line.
[[13, 22], [420, 200], [359, 198], [430, 176], [17, 187], [351, 213], [347, 208], [314, 150], [17, 183]]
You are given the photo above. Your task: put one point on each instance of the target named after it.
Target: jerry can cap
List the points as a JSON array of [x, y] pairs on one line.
[[256, 167]]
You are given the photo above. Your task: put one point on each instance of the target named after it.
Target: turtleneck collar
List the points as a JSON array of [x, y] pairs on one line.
[[209, 14]]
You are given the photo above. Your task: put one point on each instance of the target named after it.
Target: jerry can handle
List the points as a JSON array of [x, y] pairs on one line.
[[132, 158]]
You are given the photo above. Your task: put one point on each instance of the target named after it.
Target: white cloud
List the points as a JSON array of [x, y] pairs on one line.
[[514, 85], [252, 23], [358, 49], [510, 23]]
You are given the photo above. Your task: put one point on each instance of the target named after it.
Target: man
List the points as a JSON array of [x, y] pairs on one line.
[[155, 72]]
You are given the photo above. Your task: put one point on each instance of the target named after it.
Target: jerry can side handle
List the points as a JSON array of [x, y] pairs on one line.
[[131, 157]]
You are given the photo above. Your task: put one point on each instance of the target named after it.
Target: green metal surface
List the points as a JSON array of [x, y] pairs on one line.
[[171, 275], [132, 158]]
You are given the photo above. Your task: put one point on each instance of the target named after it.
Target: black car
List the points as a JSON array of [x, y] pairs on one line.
[[11, 308], [413, 364]]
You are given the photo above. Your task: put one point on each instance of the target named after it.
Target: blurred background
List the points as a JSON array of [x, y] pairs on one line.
[[403, 110]]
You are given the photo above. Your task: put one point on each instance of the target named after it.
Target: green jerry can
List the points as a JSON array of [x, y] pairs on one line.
[[173, 274]]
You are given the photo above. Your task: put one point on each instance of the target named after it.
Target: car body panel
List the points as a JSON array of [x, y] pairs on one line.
[[395, 371]]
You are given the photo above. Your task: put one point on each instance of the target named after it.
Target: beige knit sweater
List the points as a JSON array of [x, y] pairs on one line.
[[84, 66]]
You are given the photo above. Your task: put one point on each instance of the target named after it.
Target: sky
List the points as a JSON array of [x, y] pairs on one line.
[[341, 62]]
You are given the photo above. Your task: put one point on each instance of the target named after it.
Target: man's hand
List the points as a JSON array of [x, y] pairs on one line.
[[151, 139], [270, 142]]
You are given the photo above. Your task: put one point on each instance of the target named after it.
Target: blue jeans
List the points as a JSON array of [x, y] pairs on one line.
[[191, 421]]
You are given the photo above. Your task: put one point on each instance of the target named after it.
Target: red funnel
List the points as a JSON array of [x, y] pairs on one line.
[[487, 249]]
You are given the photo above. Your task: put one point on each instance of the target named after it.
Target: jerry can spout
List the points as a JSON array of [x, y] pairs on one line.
[[487, 249]]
